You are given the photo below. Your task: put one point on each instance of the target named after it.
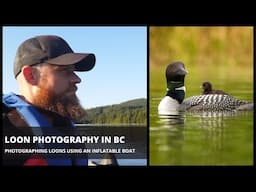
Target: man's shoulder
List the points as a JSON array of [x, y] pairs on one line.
[[5, 108], [12, 118], [5, 111], [13, 123], [56, 118], [58, 121]]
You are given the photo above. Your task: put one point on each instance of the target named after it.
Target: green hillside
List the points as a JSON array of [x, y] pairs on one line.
[[129, 112]]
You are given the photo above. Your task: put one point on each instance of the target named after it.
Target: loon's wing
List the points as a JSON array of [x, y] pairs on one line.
[[212, 102]]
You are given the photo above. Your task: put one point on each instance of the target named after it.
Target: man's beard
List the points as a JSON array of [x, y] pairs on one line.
[[67, 106]]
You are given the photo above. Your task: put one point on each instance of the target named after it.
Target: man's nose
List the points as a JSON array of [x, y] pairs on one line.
[[75, 78]]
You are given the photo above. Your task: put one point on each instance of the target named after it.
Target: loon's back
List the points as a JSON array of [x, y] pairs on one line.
[[215, 102]]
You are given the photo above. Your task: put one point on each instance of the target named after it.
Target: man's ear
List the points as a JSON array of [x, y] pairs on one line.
[[30, 74]]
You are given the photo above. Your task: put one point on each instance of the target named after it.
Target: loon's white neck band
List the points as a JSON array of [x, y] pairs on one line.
[[183, 88]]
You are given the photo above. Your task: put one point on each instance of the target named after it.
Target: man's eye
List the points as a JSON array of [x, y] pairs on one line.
[[67, 71]]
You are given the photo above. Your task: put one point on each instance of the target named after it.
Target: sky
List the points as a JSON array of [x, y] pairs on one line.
[[120, 72]]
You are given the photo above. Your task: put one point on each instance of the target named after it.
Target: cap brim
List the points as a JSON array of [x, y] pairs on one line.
[[82, 61]]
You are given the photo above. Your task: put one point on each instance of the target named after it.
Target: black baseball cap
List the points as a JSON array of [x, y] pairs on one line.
[[53, 50]]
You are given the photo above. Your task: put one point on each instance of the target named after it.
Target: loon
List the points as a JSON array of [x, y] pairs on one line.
[[173, 103], [207, 89], [175, 74], [215, 102]]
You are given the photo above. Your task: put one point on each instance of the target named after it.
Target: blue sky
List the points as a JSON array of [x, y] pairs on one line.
[[120, 73]]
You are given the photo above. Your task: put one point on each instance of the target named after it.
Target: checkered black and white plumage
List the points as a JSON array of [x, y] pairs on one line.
[[212, 102]]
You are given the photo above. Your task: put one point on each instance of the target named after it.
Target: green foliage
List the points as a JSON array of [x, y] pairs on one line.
[[221, 55], [200, 46], [130, 112]]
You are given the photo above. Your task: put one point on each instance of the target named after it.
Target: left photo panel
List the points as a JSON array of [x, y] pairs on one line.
[[74, 96]]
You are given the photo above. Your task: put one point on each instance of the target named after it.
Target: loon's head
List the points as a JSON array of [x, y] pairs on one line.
[[207, 87], [175, 76]]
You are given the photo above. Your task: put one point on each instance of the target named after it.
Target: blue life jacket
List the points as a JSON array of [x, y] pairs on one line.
[[41, 127]]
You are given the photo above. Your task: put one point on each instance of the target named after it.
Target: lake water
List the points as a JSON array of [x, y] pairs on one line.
[[132, 151], [128, 162], [202, 138]]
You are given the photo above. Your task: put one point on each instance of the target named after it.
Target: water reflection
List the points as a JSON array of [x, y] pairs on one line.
[[203, 138], [212, 128], [214, 114], [168, 138], [167, 120]]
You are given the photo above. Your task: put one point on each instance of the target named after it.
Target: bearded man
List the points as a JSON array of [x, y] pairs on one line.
[[47, 104]]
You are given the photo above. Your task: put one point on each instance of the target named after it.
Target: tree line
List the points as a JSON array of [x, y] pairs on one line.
[[130, 112]]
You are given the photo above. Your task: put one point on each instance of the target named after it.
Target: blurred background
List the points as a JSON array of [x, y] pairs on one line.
[[221, 55]]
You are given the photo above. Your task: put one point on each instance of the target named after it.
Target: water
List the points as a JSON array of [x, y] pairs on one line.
[[202, 138], [128, 162], [135, 138]]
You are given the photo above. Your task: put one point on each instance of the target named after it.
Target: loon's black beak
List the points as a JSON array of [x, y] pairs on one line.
[[182, 71]]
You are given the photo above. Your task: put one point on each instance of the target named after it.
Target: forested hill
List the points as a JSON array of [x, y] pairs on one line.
[[129, 112]]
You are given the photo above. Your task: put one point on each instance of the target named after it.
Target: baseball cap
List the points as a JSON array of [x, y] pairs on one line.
[[53, 50]]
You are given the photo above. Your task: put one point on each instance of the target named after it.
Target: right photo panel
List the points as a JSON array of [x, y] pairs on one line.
[[200, 95]]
